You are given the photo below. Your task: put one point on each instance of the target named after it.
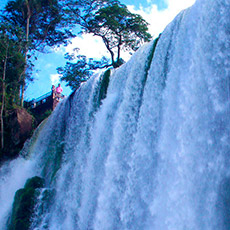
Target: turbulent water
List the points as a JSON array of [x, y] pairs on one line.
[[151, 155]]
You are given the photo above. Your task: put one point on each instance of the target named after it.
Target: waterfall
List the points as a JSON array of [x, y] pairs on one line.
[[142, 147]]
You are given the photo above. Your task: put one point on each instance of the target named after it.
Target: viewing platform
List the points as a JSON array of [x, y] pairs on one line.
[[46, 102]]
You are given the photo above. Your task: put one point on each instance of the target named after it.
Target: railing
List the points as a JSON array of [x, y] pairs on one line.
[[38, 101], [42, 97], [42, 100]]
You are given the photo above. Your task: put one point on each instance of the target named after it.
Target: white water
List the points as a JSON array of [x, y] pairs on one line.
[[155, 155]]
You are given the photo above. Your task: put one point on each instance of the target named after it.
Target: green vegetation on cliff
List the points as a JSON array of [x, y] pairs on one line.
[[24, 203]]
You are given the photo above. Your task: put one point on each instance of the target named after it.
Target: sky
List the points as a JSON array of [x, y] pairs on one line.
[[158, 13]]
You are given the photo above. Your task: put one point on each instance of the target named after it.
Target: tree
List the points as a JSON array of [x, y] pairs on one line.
[[75, 11], [110, 20], [74, 73], [42, 24], [12, 64], [119, 29]]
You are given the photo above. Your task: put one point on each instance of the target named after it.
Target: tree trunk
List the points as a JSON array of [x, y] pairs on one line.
[[27, 41], [119, 48], [108, 48], [3, 98]]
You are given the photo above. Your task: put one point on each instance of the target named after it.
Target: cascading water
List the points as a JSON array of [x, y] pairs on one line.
[[151, 151]]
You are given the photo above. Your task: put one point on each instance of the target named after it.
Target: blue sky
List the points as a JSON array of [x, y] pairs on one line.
[[158, 13]]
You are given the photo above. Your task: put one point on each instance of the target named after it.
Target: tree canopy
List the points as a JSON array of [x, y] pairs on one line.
[[42, 25], [81, 70], [26, 26], [41, 21], [12, 64], [118, 28]]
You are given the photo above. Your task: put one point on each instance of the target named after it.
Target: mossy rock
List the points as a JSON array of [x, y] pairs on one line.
[[104, 85], [34, 182], [23, 206]]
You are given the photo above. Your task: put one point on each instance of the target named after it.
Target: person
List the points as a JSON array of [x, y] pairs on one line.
[[53, 91], [33, 104], [53, 88], [59, 89], [58, 92]]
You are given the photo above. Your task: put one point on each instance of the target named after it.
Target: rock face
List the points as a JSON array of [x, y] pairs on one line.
[[20, 126], [24, 202]]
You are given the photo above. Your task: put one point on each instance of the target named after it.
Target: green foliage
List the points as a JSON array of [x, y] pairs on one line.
[[101, 90], [25, 27], [150, 58], [118, 27], [11, 54], [28, 26], [42, 25], [43, 19], [74, 73], [115, 24], [104, 85], [12, 64], [76, 11], [53, 157], [34, 182], [24, 202], [38, 118]]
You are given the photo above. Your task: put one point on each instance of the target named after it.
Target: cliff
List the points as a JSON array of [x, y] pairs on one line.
[[19, 127]]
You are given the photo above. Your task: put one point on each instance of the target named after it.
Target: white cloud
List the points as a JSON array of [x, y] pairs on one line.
[[93, 46], [90, 46], [55, 79], [159, 19], [179, 4]]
